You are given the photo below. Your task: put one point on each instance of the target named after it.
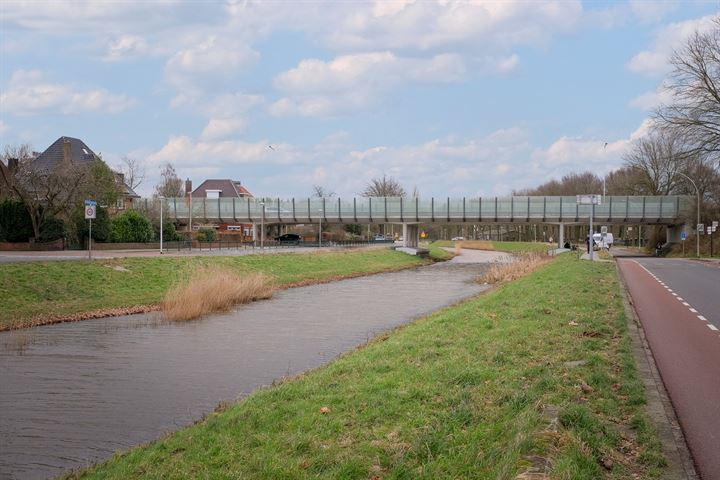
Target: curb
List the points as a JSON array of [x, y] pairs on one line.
[[660, 410]]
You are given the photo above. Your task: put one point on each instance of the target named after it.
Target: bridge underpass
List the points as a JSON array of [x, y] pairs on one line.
[[411, 213]]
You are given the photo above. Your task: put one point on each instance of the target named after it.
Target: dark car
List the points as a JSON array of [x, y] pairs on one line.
[[289, 239]]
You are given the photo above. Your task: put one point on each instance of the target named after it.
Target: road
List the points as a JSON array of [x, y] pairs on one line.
[[678, 302]]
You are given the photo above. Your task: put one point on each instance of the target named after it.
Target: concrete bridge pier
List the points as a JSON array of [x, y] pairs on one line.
[[561, 235], [411, 235]]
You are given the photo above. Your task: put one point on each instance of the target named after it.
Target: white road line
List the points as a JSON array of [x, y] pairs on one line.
[[702, 318], [675, 294], [693, 310], [680, 298], [686, 304], [712, 327]]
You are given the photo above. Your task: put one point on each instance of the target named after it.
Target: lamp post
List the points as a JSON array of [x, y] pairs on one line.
[[320, 228], [162, 200], [262, 227], [697, 234]]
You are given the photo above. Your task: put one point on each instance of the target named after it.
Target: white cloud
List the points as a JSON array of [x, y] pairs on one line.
[[28, 93], [652, 11], [218, 128], [3, 127], [651, 100], [654, 61], [316, 87], [126, 46]]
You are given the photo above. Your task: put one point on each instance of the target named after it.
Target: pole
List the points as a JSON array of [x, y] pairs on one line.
[[590, 237], [161, 224], [639, 235], [320, 232], [697, 233], [90, 240], [262, 227]]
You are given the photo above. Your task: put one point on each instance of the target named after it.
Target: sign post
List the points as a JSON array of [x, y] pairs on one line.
[[591, 200], [682, 237], [90, 213]]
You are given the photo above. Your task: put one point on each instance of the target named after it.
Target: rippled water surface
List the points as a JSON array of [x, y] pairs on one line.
[[73, 394]]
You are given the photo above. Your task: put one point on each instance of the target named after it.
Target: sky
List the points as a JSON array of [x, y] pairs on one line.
[[453, 98]]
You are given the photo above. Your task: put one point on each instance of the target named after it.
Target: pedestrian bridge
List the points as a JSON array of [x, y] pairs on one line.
[[658, 210]]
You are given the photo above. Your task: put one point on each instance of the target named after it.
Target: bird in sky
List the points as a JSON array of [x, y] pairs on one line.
[[271, 148]]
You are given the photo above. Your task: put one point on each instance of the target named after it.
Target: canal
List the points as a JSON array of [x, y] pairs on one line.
[[73, 394]]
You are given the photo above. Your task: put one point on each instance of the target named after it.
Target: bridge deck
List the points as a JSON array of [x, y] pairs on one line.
[[666, 210]]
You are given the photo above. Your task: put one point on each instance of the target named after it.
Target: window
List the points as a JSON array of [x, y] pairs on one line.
[[120, 204], [213, 193], [234, 228]]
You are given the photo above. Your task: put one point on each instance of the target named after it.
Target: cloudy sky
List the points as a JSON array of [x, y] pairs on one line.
[[456, 98]]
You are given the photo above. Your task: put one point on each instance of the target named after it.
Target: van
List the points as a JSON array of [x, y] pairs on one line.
[[603, 240]]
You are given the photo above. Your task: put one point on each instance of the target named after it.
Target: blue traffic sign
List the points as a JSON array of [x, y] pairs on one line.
[[682, 236], [90, 202]]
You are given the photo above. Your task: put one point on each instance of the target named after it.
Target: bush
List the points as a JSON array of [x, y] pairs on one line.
[[51, 229], [206, 235], [169, 231], [131, 226], [15, 223], [100, 225]]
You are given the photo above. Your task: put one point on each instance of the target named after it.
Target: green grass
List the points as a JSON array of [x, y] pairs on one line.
[[458, 394], [39, 289]]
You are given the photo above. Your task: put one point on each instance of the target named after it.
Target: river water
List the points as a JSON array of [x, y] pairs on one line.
[[73, 394]]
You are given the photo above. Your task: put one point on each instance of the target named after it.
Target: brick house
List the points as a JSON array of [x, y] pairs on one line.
[[224, 188]]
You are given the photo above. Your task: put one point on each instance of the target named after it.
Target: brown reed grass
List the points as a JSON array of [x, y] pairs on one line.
[[524, 264], [213, 289]]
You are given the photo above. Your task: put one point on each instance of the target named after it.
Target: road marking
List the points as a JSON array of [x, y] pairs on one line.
[[702, 318], [693, 310], [675, 294], [681, 299], [686, 304], [712, 327]]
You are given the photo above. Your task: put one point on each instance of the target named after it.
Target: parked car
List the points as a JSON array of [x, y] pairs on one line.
[[289, 239], [456, 239], [379, 238]]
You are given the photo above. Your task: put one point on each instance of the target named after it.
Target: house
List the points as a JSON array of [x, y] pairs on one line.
[[224, 188], [68, 149]]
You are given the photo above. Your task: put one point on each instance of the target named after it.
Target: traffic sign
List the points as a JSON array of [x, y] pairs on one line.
[[682, 236], [91, 202], [701, 228], [89, 212], [603, 229], [715, 224], [589, 199]]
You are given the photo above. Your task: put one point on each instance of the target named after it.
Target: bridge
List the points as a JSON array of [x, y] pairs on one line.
[[670, 211]]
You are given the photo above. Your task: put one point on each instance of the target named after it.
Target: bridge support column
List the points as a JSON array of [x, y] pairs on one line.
[[561, 235], [411, 235]]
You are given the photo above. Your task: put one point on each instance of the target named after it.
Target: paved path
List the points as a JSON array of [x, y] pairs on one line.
[[678, 302]]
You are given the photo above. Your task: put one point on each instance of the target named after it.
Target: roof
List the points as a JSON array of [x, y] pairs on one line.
[[227, 188], [53, 156]]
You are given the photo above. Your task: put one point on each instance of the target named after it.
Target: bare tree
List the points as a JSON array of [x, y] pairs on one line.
[[320, 191], [170, 184], [694, 111], [48, 192], [383, 187], [133, 171], [570, 184], [658, 156]]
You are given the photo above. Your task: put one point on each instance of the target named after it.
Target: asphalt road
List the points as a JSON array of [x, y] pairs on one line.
[[678, 302]]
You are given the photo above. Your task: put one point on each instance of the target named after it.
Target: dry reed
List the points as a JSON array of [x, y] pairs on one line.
[[209, 290], [505, 272]]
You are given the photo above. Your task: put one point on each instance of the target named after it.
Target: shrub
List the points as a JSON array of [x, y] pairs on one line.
[[131, 226], [51, 229], [208, 290], [15, 222], [206, 235], [170, 233], [100, 225]]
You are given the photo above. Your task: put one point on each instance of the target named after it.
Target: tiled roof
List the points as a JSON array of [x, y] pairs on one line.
[[80, 153], [227, 187]]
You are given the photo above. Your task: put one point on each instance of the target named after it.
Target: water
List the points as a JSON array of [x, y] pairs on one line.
[[73, 394]]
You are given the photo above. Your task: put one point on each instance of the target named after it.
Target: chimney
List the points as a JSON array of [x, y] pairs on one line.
[[66, 150], [12, 164], [188, 186]]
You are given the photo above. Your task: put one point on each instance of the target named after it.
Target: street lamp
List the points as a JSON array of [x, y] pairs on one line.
[[262, 227], [697, 234], [320, 228], [162, 200]]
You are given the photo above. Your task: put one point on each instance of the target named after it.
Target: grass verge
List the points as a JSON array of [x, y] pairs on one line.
[[510, 247], [44, 292], [538, 372]]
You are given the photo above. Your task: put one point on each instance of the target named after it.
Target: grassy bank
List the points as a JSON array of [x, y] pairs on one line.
[[36, 292], [479, 390], [511, 247]]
